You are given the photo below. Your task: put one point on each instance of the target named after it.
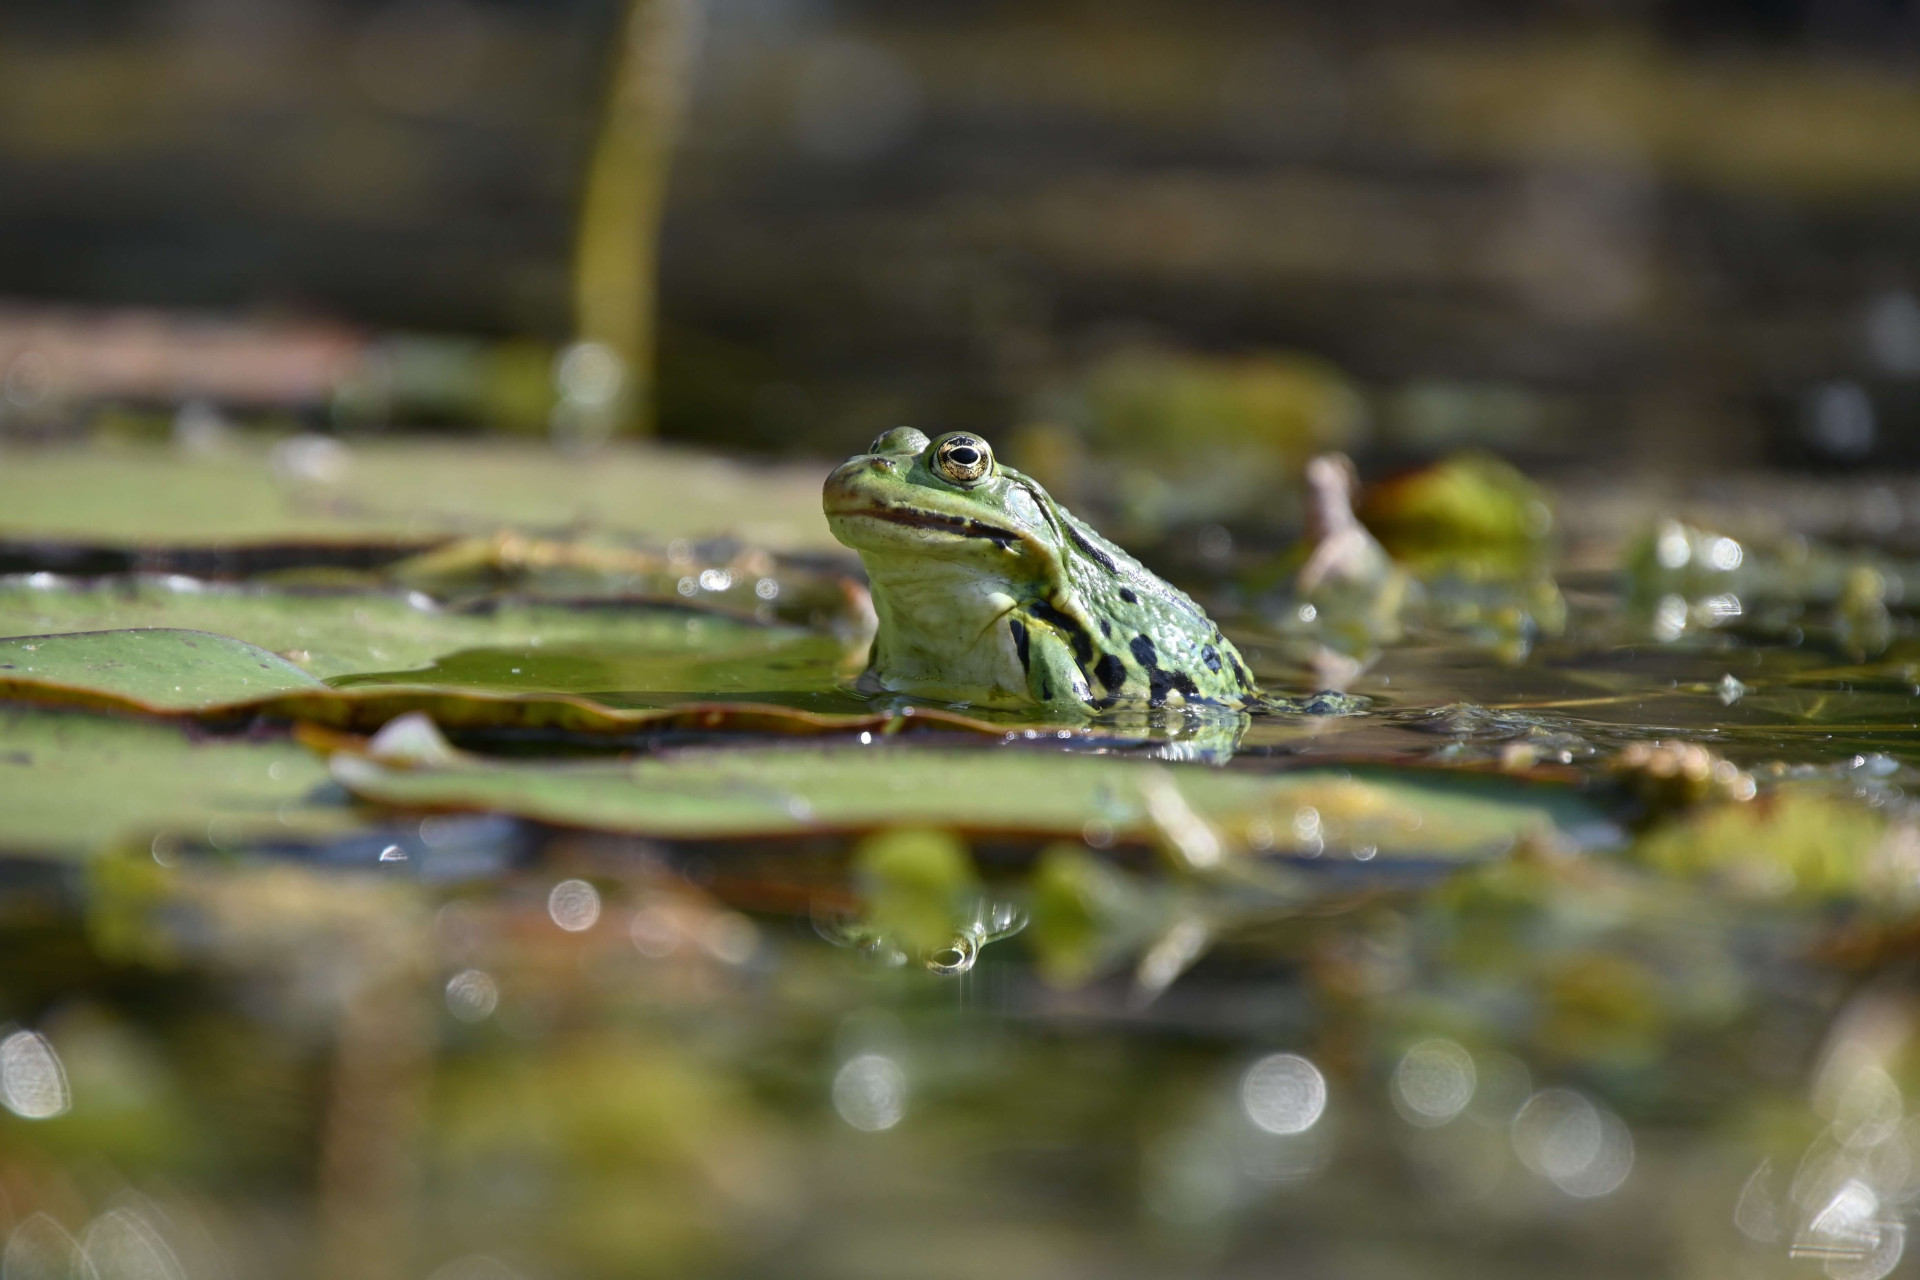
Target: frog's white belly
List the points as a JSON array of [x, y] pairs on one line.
[[943, 634]]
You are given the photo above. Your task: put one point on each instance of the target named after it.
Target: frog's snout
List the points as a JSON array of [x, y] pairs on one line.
[[844, 482]]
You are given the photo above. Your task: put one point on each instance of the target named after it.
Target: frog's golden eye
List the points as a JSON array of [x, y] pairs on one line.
[[962, 459], [899, 440]]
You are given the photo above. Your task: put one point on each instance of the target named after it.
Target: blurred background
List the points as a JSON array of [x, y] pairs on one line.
[[296, 294], [1680, 234]]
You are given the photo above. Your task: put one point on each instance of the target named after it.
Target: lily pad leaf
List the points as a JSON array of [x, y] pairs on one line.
[[395, 637], [780, 791], [198, 675], [74, 782], [159, 668], [373, 493]]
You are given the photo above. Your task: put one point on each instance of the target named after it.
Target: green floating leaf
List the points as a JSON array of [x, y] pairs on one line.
[[192, 673], [398, 639], [398, 492], [778, 791], [74, 782], [160, 668]]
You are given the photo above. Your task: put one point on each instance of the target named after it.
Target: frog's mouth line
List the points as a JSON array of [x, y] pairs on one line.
[[914, 518]]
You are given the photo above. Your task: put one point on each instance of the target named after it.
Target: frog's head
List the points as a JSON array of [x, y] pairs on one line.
[[943, 498]]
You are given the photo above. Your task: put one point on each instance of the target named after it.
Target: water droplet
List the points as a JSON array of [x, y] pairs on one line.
[[1851, 1235], [1671, 546], [956, 957], [33, 1081], [1582, 1149], [41, 1249], [472, 995], [1433, 1083], [590, 374], [1757, 1212], [870, 1092], [1670, 617], [574, 905], [122, 1244], [1283, 1093]]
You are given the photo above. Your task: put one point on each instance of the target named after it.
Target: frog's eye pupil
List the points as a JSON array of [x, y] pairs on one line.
[[964, 459]]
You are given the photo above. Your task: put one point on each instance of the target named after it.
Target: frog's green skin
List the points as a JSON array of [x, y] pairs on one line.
[[991, 593]]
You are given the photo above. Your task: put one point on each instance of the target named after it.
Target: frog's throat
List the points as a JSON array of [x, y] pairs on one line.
[[942, 630]]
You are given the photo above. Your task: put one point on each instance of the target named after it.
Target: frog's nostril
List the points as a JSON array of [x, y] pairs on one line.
[[883, 464]]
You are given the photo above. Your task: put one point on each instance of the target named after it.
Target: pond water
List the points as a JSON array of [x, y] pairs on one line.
[[1456, 975]]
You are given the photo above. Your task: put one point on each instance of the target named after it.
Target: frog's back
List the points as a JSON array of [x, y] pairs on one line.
[[1135, 637]]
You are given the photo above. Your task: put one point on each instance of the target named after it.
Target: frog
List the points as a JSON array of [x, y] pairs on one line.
[[989, 593]]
